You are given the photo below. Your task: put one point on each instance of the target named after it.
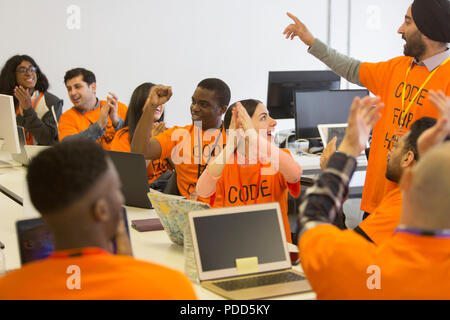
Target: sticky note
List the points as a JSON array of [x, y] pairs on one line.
[[247, 265]]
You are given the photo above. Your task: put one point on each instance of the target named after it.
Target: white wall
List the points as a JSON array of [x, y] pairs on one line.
[[179, 42]]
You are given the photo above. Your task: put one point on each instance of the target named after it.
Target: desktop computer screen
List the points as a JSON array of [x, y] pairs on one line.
[[318, 107], [9, 138], [283, 84]]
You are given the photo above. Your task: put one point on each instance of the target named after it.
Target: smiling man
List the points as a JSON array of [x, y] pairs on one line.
[[190, 147], [91, 118], [403, 83]]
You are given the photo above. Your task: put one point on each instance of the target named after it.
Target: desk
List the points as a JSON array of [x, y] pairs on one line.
[[154, 246], [311, 168]]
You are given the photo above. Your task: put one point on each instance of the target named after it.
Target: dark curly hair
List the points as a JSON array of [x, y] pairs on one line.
[[221, 89], [61, 175], [8, 76]]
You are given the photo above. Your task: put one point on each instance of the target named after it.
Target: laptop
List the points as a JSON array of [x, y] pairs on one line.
[[242, 253], [132, 170], [36, 241], [27, 152], [329, 131]]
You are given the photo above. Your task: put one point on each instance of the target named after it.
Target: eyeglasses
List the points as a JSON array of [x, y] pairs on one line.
[[24, 70]]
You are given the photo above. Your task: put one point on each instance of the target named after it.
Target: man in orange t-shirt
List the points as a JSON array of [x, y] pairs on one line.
[[405, 79], [381, 224], [83, 210], [90, 118], [190, 147], [413, 263]]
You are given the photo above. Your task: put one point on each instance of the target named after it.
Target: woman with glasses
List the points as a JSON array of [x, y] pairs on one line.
[[37, 110]]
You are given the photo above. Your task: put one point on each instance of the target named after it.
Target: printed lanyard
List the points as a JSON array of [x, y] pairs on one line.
[[240, 181], [200, 152], [418, 91], [28, 135], [430, 233]]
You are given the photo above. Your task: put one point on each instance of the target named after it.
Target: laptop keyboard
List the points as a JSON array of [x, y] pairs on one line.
[[258, 281]]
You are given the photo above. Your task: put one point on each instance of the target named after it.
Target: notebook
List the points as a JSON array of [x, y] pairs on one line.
[[242, 253], [36, 241], [172, 211], [132, 170]]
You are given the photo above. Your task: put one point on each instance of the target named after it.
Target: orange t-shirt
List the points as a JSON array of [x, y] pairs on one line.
[[271, 188], [381, 224], [73, 122], [190, 149], [155, 169], [343, 265], [386, 79], [102, 276]]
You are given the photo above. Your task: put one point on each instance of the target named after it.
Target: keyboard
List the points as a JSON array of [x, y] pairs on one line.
[[258, 281]]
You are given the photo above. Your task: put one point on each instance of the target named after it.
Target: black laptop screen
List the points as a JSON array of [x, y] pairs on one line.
[[223, 238]]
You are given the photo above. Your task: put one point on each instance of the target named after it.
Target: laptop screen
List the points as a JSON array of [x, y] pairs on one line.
[[257, 231], [36, 241]]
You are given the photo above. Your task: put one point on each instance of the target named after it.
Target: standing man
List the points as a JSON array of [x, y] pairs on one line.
[[89, 117], [403, 83]]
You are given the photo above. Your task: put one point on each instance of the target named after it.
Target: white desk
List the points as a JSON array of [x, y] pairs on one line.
[[154, 246], [311, 168]]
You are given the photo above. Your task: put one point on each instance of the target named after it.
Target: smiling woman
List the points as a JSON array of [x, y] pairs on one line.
[[37, 110]]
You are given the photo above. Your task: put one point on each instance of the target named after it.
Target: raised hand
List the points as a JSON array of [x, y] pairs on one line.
[[243, 119], [298, 29], [363, 116], [24, 97], [103, 118], [327, 153], [158, 95], [112, 101], [436, 134], [158, 127]]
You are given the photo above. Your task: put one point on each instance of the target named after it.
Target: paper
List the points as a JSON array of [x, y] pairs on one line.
[[247, 265]]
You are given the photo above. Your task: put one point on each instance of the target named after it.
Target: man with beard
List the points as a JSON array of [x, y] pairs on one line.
[[403, 83], [384, 219]]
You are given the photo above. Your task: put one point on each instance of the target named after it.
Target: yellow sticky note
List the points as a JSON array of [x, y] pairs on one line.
[[247, 265]]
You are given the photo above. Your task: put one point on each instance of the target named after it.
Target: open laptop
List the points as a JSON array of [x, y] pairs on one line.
[[329, 131], [27, 152], [132, 170], [36, 241], [242, 253]]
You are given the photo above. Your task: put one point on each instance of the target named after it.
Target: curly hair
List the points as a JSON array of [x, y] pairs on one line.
[[221, 89], [8, 76], [63, 174]]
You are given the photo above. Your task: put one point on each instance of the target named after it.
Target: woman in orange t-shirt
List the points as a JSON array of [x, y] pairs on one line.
[[122, 139], [250, 169]]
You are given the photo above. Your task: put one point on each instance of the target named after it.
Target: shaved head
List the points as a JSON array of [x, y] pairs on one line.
[[427, 195]]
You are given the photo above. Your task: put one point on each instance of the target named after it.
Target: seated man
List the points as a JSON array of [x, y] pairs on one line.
[[83, 209], [89, 117], [341, 264], [190, 147], [381, 224]]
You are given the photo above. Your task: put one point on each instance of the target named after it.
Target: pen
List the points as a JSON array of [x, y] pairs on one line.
[[2, 246]]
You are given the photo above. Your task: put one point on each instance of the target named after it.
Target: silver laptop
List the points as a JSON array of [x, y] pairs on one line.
[[242, 253], [26, 152]]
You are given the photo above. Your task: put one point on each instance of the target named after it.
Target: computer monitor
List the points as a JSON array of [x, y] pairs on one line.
[[8, 125], [317, 107], [283, 84]]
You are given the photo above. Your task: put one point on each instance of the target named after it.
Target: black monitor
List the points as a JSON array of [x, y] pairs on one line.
[[283, 84], [322, 107]]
